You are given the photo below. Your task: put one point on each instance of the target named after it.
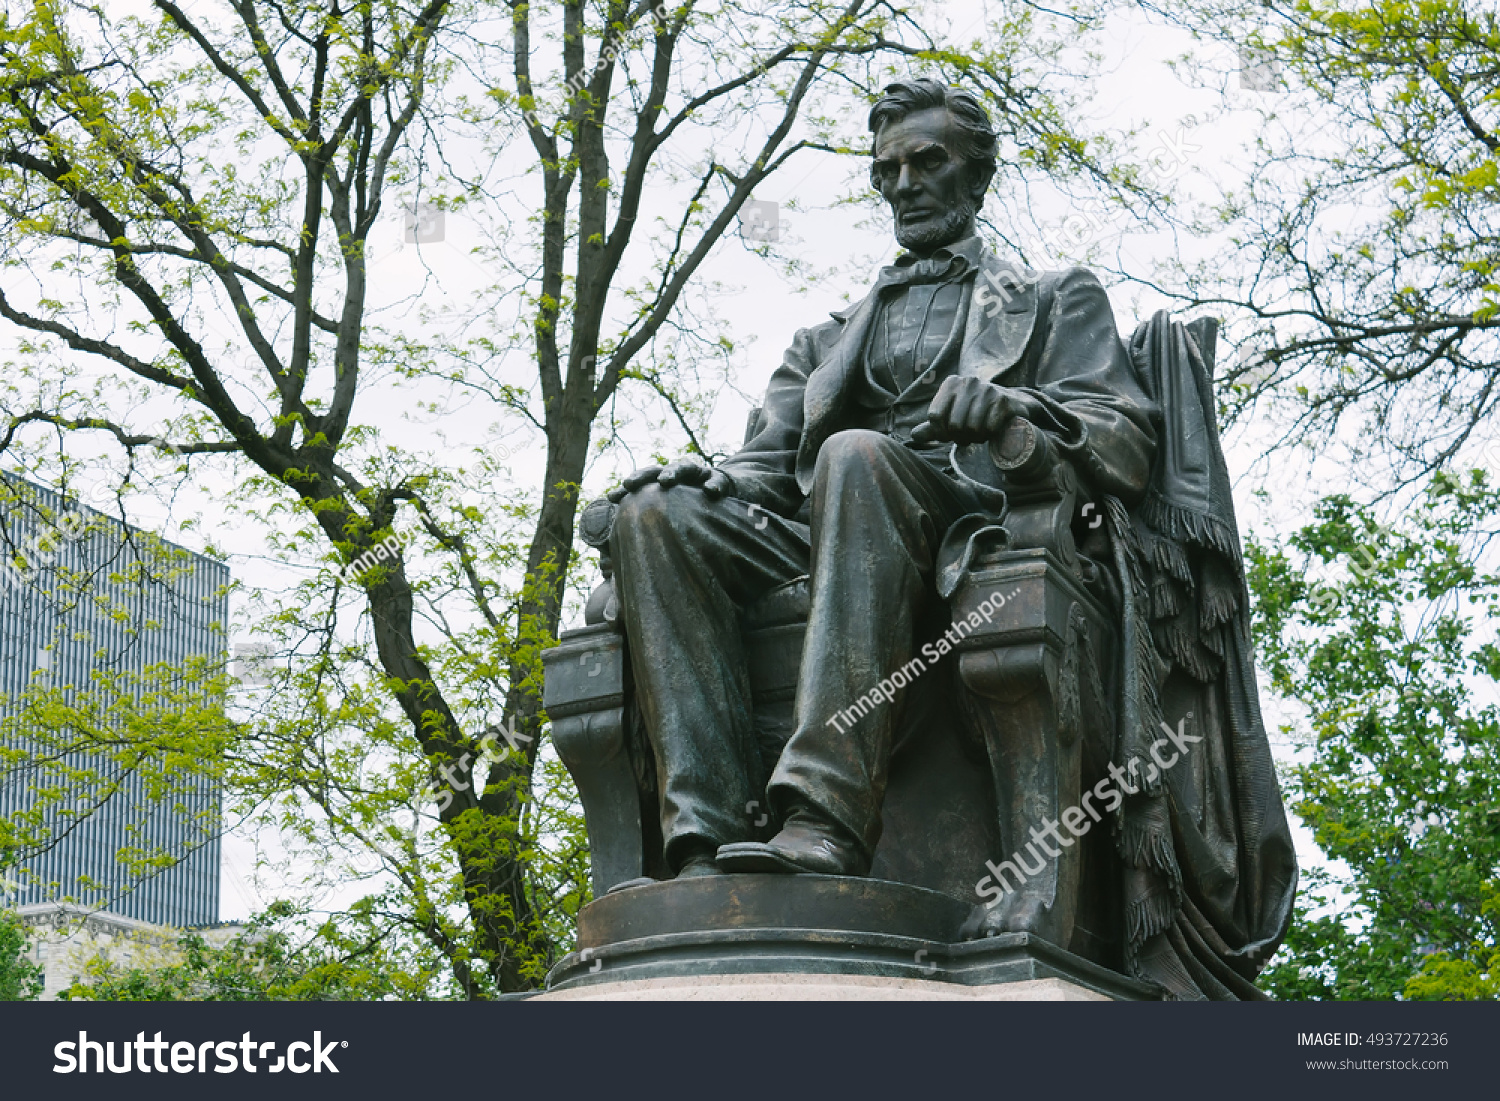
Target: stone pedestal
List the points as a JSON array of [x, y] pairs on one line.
[[819, 988], [836, 938]]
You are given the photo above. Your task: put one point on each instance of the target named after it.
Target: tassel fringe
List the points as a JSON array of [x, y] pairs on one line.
[[1149, 915], [1188, 650], [1165, 601], [1188, 526], [1168, 555]]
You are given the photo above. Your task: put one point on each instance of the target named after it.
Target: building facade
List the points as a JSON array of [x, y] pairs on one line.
[[92, 610], [64, 940]]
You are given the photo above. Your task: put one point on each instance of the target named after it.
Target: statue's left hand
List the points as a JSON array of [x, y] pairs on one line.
[[971, 410]]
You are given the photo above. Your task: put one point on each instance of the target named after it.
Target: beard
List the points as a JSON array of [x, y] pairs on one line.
[[935, 234]]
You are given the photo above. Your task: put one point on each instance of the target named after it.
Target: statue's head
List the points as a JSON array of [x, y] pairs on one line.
[[934, 159]]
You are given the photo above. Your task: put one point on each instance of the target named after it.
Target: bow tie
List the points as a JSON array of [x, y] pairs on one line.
[[935, 270]]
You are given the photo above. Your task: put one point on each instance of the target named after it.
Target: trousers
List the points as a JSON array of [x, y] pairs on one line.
[[685, 569]]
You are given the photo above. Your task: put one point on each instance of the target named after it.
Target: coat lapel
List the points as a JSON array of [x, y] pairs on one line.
[[830, 385], [1002, 314]]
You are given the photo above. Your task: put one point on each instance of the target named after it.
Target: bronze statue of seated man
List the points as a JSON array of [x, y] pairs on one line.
[[855, 477]]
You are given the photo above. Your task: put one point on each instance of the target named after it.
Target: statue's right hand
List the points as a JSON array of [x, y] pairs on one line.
[[688, 471], [642, 477]]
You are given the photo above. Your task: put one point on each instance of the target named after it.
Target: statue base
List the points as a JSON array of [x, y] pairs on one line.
[[772, 987], [805, 937]]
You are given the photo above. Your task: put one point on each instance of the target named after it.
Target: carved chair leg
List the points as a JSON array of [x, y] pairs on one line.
[[1032, 646], [585, 693], [1035, 768]]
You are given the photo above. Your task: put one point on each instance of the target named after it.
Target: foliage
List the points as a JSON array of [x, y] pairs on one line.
[[266, 963], [1396, 661], [1362, 278], [20, 979]]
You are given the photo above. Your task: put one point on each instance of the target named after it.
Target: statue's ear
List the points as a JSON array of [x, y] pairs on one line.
[[980, 176]]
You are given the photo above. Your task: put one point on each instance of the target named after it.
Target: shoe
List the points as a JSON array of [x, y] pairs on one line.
[[696, 865], [638, 881], [700, 864], [806, 845], [1026, 915]]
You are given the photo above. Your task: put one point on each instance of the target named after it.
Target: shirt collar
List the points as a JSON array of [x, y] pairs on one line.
[[971, 248]]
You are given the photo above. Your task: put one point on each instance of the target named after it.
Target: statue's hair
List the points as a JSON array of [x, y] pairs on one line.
[[977, 144]]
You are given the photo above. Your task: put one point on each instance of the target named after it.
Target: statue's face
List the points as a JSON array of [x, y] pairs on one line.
[[931, 192]]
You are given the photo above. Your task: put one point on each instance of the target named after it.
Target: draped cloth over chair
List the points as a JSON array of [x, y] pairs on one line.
[[1209, 870]]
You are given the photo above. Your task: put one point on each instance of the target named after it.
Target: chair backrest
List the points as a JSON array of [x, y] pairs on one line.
[[754, 423], [1205, 334]]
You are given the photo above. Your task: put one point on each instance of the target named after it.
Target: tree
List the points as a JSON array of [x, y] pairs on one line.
[[1395, 660], [1360, 283], [20, 979], [159, 159], [1362, 274]]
